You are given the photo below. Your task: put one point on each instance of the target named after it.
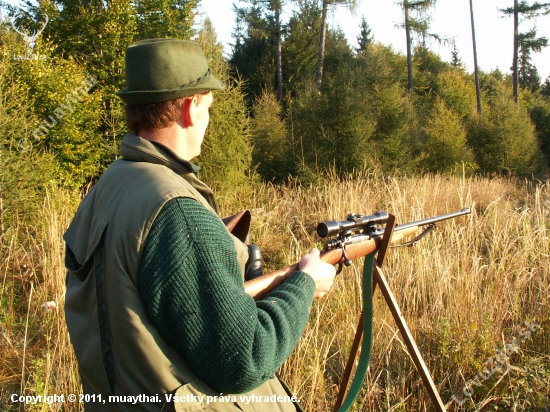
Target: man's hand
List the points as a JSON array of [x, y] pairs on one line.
[[322, 273]]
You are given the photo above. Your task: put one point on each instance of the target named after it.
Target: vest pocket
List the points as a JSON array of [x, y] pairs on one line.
[[86, 315]]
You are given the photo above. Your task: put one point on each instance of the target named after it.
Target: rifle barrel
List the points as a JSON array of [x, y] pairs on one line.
[[434, 219]]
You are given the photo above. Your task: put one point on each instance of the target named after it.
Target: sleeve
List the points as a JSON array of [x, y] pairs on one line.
[[190, 283]]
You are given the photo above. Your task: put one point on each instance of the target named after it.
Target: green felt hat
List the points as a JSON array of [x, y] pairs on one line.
[[158, 70]]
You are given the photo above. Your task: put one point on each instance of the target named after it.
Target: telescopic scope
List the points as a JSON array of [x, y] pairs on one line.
[[335, 227]]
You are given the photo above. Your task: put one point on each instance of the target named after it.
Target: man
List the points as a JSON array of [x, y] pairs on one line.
[[155, 303]]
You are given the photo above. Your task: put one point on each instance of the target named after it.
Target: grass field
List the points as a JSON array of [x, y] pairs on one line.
[[469, 289]]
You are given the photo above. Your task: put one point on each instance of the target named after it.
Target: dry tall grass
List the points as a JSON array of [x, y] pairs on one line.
[[465, 291]]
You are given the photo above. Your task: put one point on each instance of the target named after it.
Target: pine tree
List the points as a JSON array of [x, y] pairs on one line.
[[445, 149], [298, 47], [528, 76], [351, 4], [545, 89], [365, 36], [524, 10], [415, 22], [504, 140], [273, 153], [456, 61], [254, 52], [226, 155]]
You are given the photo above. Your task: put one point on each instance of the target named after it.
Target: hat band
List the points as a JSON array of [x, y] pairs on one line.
[[198, 81]]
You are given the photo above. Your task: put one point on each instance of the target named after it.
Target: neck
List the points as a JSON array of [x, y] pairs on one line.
[[173, 137]]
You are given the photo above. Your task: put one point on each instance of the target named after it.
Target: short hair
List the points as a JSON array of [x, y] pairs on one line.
[[156, 115]]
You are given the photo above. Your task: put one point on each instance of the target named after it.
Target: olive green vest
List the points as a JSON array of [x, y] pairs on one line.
[[118, 348]]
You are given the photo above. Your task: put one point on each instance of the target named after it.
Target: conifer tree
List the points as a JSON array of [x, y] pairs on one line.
[[528, 76], [504, 140], [299, 49], [476, 68], [445, 149], [524, 11], [226, 155], [365, 36], [545, 89], [456, 61], [351, 4], [62, 112], [254, 51], [416, 22], [273, 153], [263, 16]]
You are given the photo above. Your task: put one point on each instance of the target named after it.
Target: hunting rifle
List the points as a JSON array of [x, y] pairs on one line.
[[359, 236], [356, 237]]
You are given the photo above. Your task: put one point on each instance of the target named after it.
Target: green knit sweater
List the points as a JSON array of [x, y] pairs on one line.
[[191, 285]]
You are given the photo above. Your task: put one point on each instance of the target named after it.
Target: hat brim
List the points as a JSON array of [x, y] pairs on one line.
[[142, 97]]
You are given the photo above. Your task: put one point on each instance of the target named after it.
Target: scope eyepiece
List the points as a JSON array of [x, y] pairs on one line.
[[335, 227]]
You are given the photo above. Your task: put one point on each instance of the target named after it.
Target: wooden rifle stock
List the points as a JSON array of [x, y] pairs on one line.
[[261, 286]]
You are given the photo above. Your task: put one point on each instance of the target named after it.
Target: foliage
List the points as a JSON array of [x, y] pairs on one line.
[[272, 154], [545, 89], [539, 112], [458, 93], [63, 110], [504, 139], [226, 151], [365, 36], [299, 51], [253, 56], [528, 42], [24, 171], [332, 126], [445, 147]]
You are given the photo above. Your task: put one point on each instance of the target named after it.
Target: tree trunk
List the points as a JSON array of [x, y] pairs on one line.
[[409, 52], [322, 40], [478, 92], [515, 62], [279, 57]]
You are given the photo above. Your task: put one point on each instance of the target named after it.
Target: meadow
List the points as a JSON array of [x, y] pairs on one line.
[[471, 287]]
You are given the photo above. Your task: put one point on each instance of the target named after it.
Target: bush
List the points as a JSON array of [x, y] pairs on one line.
[[445, 146], [272, 155], [504, 139]]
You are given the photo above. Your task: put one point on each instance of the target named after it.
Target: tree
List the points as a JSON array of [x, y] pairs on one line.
[[254, 51], [545, 89], [456, 61], [527, 12], [62, 113], [164, 18], [351, 4], [96, 33], [528, 76], [272, 154], [476, 69], [226, 152], [504, 140], [270, 12], [416, 22], [365, 36], [300, 52], [445, 147]]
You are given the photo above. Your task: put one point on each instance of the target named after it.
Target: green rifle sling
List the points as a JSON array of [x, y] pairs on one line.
[[366, 345]]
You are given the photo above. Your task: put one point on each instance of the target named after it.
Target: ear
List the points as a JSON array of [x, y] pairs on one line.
[[187, 111]]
